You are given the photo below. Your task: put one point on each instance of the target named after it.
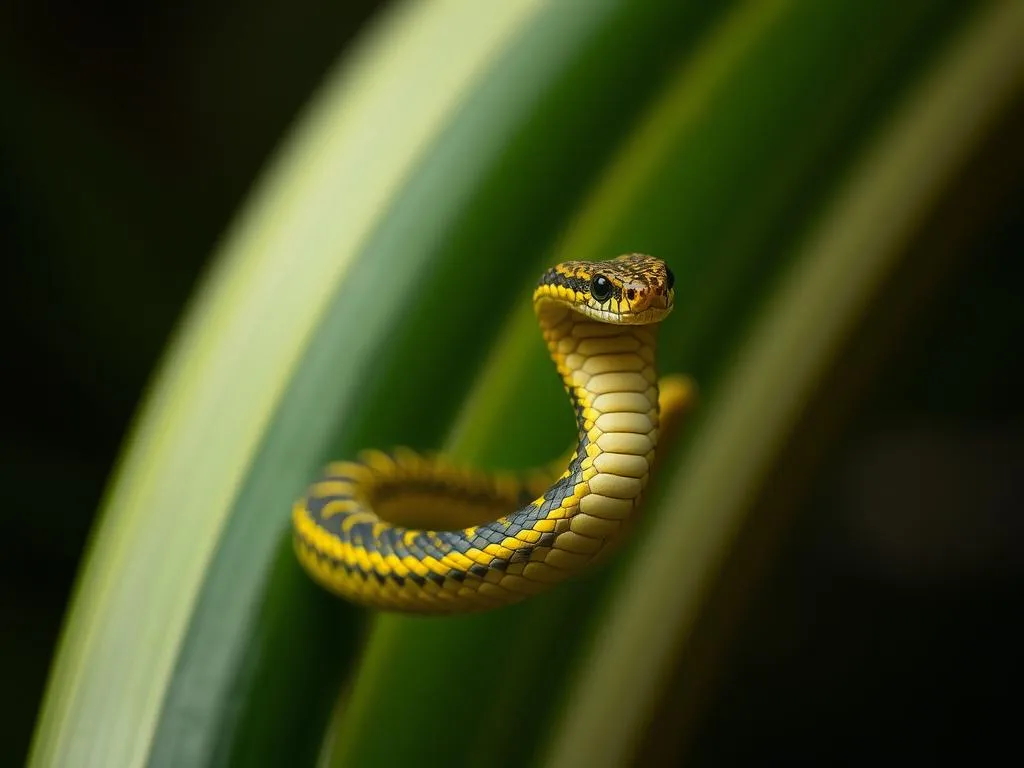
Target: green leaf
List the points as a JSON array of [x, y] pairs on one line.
[[333, 251], [413, 180], [839, 268], [373, 292], [681, 187]]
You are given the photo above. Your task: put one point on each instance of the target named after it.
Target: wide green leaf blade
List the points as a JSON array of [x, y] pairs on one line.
[[247, 332], [373, 293], [751, 63], [384, 215], [840, 266]]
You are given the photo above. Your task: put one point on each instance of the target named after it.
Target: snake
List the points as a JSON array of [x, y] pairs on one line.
[[415, 533]]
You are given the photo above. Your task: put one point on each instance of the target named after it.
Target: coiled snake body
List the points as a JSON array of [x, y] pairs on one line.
[[407, 532]]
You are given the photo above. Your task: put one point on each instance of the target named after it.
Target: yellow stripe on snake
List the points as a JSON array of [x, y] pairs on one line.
[[414, 533]]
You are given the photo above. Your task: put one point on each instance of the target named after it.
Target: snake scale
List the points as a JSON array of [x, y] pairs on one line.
[[406, 532]]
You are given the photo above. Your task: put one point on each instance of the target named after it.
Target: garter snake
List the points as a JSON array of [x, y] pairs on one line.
[[407, 532]]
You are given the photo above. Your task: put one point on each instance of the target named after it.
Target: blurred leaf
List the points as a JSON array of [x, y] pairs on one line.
[[841, 265], [411, 180], [682, 188], [368, 290], [158, 642]]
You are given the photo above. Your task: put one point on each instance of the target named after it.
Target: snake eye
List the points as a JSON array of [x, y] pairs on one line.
[[600, 288], [670, 279]]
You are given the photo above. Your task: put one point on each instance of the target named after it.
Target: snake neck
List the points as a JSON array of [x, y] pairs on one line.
[[609, 373]]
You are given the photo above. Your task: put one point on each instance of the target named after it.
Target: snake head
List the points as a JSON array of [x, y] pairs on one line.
[[634, 289]]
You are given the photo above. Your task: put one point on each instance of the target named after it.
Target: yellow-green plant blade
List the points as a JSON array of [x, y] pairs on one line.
[[839, 268], [684, 189], [365, 285], [231, 362], [483, 200], [239, 663]]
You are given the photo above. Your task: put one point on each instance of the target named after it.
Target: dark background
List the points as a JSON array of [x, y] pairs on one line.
[[132, 133]]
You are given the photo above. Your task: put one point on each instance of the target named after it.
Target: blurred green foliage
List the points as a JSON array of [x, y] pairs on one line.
[[721, 138]]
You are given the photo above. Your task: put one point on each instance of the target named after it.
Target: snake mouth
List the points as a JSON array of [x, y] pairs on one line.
[[647, 316]]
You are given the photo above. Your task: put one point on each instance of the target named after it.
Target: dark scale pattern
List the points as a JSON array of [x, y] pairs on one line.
[[423, 543], [316, 504], [547, 539], [396, 539], [576, 277], [385, 543], [552, 500], [453, 541], [550, 277], [577, 284], [447, 541], [334, 563], [358, 539], [531, 513], [522, 555], [490, 533], [577, 406], [437, 544]]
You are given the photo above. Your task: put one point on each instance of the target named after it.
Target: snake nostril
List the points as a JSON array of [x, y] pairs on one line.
[[630, 294]]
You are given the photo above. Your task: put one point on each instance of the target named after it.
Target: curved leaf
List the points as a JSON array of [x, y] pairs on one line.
[[367, 290], [693, 144], [301, 241], [839, 267]]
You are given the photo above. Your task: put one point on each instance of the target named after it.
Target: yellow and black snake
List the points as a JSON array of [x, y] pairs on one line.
[[413, 533]]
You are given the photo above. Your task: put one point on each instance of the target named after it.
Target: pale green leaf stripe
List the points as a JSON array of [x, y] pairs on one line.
[[842, 263], [233, 357]]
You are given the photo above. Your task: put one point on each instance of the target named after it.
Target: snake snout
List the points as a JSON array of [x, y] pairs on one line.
[[639, 294]]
